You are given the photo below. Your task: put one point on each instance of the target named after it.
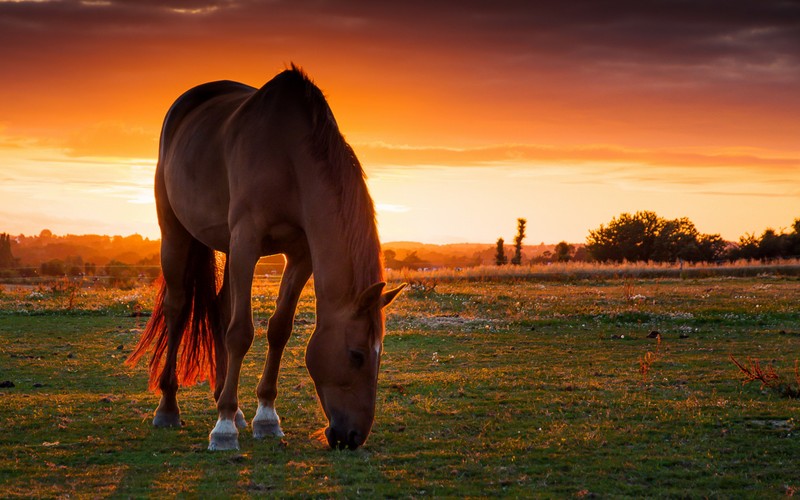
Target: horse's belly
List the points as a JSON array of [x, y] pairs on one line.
[[201, 206]]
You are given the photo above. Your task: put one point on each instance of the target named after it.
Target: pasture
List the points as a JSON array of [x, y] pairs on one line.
[[487, 388]]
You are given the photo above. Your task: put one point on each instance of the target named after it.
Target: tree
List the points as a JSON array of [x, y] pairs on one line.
[[676, 239], [500, 256], [517, 259], [712, 247], [54, 267], [644, 236], [793, 247], [629, 237], [90, 269], [6, 257], [771, 245], [563, 252]]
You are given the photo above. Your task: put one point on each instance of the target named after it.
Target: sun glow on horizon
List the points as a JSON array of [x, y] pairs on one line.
[[434, 203]]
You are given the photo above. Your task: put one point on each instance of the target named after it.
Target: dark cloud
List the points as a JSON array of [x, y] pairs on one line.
[[731, 52], [667, 31]]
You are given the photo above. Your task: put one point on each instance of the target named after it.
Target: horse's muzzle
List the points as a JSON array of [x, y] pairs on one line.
[[344, 438]]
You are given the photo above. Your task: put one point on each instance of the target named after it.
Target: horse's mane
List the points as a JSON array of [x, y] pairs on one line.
[[347, 175]]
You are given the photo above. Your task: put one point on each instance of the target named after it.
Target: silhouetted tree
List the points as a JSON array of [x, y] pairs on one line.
[[772, 245], [563, 252], [645, 236], [90, 269], [54, 267], [120, 273], [413, 261], [517, 259], [629, 237], [793, 248], [769, 246], [676, 239], [6, 257], [390, 259], [73, 266], [748, 247], [500, 255], [712, 247]]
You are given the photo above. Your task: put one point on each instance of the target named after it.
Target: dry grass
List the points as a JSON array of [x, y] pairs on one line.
[[565, 271]]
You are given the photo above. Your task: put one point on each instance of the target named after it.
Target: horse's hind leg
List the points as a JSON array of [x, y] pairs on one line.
[[174, 257], [298, 270]]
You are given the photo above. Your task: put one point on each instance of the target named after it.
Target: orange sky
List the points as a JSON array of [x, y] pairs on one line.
[[465, 114]]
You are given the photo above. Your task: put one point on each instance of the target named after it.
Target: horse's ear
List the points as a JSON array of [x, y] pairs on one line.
[[375, 296], [370, 297], [389, 296]]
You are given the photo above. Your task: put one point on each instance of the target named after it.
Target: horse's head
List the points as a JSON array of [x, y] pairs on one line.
[[343, 357]]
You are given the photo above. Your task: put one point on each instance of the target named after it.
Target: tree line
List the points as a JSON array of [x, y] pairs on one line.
[[644, 236], [118, 258]]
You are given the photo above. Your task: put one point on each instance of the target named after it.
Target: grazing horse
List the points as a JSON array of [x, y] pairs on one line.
[[252, 172]]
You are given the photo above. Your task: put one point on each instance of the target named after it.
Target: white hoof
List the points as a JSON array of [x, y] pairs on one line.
[[224, 436], [239, 420], [266, 423]]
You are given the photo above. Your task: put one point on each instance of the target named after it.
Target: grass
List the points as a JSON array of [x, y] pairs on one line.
[[513, 388], [573, 270]]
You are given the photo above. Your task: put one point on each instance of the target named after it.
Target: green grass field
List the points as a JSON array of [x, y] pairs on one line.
[[518, 388]]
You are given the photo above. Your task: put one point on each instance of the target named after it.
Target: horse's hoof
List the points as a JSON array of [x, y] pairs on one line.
[[239, 420], [263, 430], [165, 419], [224, 436], [266, 423]]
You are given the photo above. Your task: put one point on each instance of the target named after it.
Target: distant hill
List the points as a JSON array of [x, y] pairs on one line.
[[90, 248], [410, 254], [32, 251]]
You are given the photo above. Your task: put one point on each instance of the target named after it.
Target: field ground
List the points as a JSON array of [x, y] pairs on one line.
[[517, 388]]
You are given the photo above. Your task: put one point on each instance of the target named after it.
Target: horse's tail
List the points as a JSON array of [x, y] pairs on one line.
[[196, 325]]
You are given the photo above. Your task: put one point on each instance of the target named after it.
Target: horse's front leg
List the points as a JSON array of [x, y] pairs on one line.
[[243, 257], [298, 270], [220, 350]]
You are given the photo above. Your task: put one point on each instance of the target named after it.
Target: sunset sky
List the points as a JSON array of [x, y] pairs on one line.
[[466, 114]]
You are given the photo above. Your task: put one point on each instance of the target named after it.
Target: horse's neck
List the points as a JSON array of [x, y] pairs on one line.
[[333, 269], [337, 280]]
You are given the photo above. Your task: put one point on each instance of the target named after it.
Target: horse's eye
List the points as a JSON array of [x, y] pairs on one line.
[[357, 358]]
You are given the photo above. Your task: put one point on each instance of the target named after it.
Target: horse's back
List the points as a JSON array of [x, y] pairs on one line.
[[195, 99], [191, 185], [226, 153]]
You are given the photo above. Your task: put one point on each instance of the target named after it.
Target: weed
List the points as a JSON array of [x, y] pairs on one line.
[[68, 290], [422, 286], [628, 289], [769, 378], [646, 361]]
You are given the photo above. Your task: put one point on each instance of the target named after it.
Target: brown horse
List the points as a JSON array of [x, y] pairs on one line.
[[252, 172]]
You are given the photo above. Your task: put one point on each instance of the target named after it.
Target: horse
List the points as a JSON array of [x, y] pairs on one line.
[[249, 172]]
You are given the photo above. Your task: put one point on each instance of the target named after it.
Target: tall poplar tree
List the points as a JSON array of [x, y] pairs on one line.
[[6, 258], [500, 256], [517, 259]]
